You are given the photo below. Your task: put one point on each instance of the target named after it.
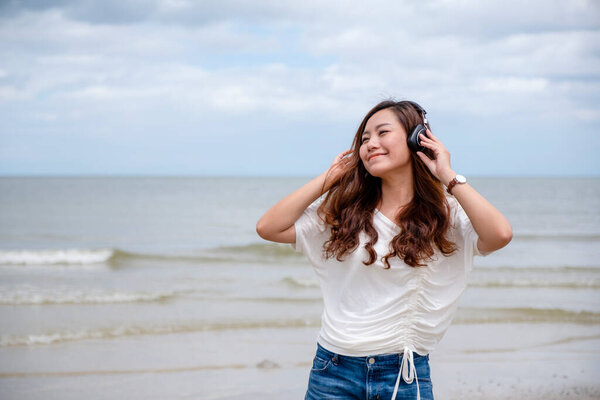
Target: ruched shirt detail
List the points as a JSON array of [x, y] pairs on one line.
[[372, 310]]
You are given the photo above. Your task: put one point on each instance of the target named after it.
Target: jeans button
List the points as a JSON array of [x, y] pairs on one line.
[[371, 360]]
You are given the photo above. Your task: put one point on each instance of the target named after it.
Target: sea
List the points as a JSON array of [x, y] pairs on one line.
[[160, 288]]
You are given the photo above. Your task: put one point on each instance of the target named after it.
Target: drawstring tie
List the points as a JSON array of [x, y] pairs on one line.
[[408, 372]]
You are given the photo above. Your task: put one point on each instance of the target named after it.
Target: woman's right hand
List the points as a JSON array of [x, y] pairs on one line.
[[340, 165]]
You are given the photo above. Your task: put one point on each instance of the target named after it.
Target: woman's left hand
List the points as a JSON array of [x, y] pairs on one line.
[[442, 155]]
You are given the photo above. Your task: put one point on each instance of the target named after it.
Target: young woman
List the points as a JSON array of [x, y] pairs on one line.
[[392, 243]]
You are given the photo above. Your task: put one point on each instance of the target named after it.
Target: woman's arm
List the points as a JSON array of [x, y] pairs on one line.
[[492, 227], [277, 224]]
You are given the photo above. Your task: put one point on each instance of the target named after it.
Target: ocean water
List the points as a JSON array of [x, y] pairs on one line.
[[160, 286]]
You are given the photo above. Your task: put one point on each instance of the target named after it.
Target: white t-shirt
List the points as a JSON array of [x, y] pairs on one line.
[[371, 310]]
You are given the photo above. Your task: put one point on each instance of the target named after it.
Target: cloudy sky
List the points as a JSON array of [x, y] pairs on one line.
[[270, 87]]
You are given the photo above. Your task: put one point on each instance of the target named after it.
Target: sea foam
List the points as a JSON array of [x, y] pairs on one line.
[[55, 256]]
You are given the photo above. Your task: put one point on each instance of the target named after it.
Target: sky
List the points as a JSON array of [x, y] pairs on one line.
[[278, 88]]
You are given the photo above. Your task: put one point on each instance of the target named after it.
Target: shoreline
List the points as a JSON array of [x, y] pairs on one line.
[[471, 362]]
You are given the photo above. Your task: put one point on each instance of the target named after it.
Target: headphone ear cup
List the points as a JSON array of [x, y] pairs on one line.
[[414, 142]]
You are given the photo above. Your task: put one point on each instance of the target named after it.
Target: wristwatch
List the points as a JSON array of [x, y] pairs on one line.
[[457, 179]]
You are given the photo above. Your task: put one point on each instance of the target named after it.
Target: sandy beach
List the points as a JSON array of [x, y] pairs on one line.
[[473, 362]]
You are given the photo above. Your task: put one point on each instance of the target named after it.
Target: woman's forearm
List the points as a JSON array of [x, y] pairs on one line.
[[492, 227], [282, 216]]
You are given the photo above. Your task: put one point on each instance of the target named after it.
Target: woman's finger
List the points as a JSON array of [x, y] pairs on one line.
[[435, 142], [423, 137], [343, 154], [428, 142], [432, 136], [425, 159]]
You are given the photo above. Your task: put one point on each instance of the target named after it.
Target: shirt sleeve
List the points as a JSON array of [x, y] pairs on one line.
[[466, 231], [310, 230]]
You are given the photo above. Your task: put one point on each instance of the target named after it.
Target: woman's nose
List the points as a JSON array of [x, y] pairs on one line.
[[373, 143]]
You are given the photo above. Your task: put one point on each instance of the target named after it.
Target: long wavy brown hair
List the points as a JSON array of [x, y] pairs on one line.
[[349, 205]]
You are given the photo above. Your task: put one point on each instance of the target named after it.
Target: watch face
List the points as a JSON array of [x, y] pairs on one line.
[[461, 179]]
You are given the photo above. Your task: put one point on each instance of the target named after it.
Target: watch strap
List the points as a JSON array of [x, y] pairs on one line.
[[452, 183]]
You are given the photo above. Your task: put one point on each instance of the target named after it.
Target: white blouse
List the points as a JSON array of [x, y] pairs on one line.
[[372, 310]]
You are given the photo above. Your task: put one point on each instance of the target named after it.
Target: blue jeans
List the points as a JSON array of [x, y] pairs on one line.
[[334, 376]]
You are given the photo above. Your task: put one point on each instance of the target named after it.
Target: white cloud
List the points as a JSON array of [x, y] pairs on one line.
[[357, 41], [177, 61], [587, 115], [511, 85], [10, 94], [47, 117]]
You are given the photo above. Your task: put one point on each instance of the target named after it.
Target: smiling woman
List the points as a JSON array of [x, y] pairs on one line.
[[385, 162], [383, 142], [392, 250]]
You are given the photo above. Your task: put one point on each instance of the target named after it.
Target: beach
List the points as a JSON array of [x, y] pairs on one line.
[[159, 288], [264, 364]]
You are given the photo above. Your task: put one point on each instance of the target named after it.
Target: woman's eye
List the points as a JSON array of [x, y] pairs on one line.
[[364, 140], [382, 132]]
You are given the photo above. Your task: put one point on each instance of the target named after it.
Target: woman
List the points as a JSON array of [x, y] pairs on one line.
[[392, 251]]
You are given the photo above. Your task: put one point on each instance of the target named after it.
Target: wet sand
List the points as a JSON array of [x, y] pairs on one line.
[[488, 361]]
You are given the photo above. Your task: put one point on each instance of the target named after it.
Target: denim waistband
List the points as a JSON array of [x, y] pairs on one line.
[[406, 360], [386, 359]]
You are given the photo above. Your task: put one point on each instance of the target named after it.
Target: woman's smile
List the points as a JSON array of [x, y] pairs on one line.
[[375, 155]]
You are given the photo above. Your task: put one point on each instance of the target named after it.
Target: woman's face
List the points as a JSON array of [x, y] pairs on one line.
[[383, 144]]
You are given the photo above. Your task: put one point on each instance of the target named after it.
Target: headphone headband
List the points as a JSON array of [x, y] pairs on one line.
[[421, 110], [418, 107]]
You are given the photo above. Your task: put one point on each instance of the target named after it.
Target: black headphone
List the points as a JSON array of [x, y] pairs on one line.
[[414, 141]]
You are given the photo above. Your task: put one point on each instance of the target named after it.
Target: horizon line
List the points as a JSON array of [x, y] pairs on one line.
[[261, 176]]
